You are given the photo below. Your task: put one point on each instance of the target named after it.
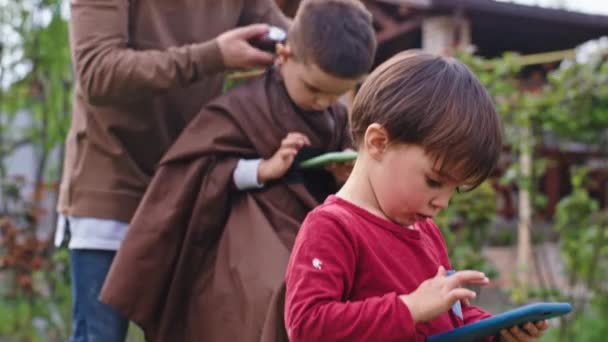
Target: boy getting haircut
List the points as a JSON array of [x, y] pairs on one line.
[[317, 37], [206, 253], [370, 264]]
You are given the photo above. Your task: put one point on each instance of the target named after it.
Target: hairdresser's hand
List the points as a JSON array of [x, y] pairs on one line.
[[281, 161], [437, 295], [236, 50], [530, 332], [341, 171]]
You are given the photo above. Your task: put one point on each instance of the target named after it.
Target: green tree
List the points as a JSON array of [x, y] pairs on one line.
[[35, 95], [571, 107], [583, 231], [576, 101]]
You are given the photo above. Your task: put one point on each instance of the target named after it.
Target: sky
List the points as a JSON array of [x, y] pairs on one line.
[[588, 6]]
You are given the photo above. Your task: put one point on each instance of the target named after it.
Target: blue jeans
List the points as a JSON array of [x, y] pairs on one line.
[[93, 321]]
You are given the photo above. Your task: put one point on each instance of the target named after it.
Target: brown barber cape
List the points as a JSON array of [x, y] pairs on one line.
[[203, 261]]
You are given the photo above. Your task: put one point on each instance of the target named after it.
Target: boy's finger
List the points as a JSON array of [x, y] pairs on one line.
[[289, 141], [293, 142], [466, 277], [297, 134], [290, 144], [481, 282], [301, 136], [460, 294], [542, 325], [531, 329], [296, 137], [440, 271], [287, 152], [519, 334], [506, 336]]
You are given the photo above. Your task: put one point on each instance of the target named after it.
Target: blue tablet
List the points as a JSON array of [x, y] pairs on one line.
[[491, 326]]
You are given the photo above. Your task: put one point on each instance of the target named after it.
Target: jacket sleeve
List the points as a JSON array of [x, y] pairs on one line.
[[320, 276], [472, 314], [108, 70]]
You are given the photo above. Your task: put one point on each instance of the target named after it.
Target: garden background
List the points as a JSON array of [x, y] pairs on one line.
[[548, 102]]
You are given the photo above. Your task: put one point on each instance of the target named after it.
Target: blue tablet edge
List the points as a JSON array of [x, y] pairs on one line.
[[492, 325]]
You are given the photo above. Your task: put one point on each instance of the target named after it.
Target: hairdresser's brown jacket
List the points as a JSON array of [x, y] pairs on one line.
[[143, 69]]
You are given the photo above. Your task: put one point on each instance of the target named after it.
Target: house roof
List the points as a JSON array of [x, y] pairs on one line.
[[504, 26]]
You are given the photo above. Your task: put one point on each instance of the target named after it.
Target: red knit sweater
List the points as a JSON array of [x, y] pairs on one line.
[[348, 268]]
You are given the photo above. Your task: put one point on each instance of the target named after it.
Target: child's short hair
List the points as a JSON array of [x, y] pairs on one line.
[[437, 103], [336, 35]]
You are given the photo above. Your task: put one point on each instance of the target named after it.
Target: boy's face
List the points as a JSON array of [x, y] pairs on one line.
[[309, 87], [405, 183]]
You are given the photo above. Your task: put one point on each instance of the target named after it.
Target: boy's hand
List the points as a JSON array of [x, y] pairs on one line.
[[529, 333], [281, 161], [437, 295], [341, 171]]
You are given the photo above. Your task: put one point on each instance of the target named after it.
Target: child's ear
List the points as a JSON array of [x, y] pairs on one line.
[[283, 53], [376, 140]]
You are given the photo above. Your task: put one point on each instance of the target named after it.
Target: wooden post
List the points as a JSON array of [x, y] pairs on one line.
[[552, 182], [524, 246], [441, 34]]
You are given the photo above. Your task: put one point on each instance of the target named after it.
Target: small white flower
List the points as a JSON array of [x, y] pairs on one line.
[[316, 263]]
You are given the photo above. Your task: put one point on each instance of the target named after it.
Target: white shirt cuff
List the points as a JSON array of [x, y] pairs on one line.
[[245, 174]]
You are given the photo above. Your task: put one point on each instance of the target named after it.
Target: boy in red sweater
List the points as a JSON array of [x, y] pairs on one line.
[[370, 264]]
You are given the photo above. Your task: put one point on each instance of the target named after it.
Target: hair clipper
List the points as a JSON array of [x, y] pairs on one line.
[[269, 40]]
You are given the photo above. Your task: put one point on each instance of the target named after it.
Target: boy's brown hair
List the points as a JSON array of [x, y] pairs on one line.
[[335, 35], [437, 103]]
